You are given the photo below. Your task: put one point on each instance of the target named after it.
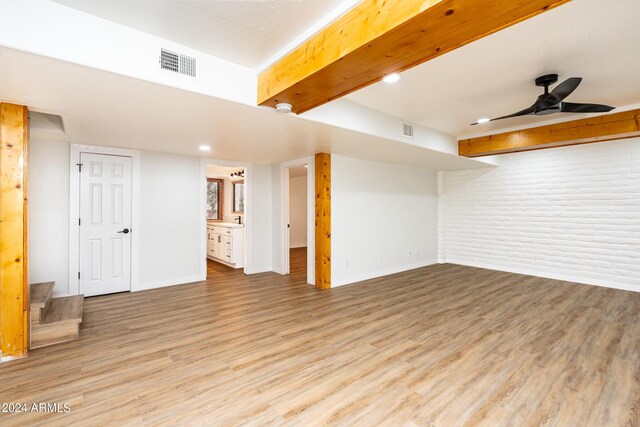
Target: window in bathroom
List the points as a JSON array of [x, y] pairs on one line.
[[214, 198]]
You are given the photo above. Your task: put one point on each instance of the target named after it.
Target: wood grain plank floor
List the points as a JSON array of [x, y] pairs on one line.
[[444, 345]]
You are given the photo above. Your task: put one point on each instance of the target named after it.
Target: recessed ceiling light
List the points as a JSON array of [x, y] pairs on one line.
[[204, 148], [391, 78], [483, 120]]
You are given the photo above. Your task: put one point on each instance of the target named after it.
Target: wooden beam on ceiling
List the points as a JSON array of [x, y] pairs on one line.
[[594, 129], [380, 37], [14, 289]]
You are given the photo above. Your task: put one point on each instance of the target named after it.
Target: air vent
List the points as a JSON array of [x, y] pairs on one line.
[[178, 63], [407, 130]]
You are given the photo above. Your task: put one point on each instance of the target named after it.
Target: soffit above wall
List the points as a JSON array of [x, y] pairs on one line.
[[245, 32]]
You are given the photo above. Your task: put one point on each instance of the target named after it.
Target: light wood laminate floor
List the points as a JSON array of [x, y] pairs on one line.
[[444, 345]]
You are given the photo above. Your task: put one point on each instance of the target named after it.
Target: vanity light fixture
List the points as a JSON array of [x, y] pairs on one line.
[[238, 174]]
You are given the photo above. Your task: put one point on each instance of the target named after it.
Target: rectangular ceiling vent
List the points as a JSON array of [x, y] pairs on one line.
[[407, 130], [178, 63]]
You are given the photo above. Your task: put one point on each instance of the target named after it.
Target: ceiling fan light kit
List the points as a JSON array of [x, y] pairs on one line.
[[553, 102]]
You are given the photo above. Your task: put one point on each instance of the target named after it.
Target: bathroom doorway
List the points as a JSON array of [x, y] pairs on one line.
[[225, 217]]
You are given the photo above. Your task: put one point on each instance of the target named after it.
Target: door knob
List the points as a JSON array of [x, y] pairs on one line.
[[125, 231]]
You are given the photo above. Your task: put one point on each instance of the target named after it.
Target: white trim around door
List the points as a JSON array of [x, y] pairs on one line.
[[74, 211], [284, 217]]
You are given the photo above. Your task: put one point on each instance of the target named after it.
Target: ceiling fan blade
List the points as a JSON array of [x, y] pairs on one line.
[[524, 112], [570, 107], [566, 88]]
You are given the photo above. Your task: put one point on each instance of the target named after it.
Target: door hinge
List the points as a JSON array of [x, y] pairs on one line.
[[78, 275], [79, 221], [79, 167]]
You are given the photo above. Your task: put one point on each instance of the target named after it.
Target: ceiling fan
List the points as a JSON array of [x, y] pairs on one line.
[[553, 102]]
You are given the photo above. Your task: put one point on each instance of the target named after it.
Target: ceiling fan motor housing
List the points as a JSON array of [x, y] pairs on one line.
[[547, 80]]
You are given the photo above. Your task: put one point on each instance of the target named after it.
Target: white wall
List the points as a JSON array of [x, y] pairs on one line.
[[170, 234], [298, 212], [261, 217], [169, 219], [567, 213], [48, 194], [383, 219]]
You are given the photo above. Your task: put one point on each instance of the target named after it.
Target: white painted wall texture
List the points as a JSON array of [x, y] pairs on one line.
[[568, 213], [169, 219], [383, 219], [49, 213]]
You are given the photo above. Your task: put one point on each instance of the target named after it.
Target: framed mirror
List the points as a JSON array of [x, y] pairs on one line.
[[238, 197]]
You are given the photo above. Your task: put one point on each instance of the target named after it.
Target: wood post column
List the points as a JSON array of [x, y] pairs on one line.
[[323, 220], [14, 286]]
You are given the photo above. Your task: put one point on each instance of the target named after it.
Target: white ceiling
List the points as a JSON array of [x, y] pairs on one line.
[[594, 39], [247, 32], [494, 76], [105, 109]]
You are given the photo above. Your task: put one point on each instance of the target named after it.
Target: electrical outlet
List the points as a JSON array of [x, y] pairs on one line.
[[410, 253]]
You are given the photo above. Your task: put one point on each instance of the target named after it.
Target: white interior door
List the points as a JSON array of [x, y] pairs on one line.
[[105, 224]]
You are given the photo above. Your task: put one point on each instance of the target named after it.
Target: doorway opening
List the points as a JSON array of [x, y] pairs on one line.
[[225, 214], [298, 219]]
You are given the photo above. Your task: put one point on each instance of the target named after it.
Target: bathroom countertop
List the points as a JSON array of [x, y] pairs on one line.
[[226, 224]]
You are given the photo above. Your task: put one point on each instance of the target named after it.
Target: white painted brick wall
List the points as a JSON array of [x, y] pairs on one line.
[[568, 213]]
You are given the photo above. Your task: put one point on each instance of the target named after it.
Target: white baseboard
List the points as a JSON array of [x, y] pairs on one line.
[[547, 275], [380, 273], [258, 270], [168, 282]]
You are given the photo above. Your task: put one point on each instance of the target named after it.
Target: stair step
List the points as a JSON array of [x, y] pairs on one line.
[[40, 299], [65, 309], [54, 333], [61, 322], [40, 294]]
